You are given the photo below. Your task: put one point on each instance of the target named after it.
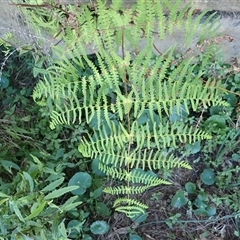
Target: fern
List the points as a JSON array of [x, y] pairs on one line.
[[113, 99], [130, 207]]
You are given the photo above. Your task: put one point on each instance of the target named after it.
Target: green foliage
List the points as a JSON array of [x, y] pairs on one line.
[[133, 106], [179, 199], [81, 179], [28, 203], [197, 199], [207, 176], [126, 115], [99, 227]]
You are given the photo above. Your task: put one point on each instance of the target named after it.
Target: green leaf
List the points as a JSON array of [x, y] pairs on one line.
[[96, 193], [178, 114], [68, 207], [179, 199], [8, 165], [215, 110], [215, 121], [95, 168], [62, 230], [202, 196], [96, 125], [3, 195], [16, 210], [74, 227], [102, 209], [134, 237], [60, 192], [30, 180], [37, 70], [190, 187], [86, 237], [200, 204], [81, 179], [207, 176], [231, 99], [211, 211], [53, 185], [193, 148], [3, 201], [70, 204], [4, 82], [99, 227], [37, 211]]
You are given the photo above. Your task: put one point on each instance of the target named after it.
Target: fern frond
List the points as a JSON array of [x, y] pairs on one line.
[[162, 26], [209, 25], [145, 159], [130, 207], [163, 136], [125, 189], [172, 15], [134, 176]]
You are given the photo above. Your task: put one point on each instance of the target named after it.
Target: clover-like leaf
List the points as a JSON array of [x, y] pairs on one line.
[[81, 179], [86, 237], [211, 211], [99, 227], [179, 199], [208, 177], [95, 168], [190, 187], [4, 82], [134, 237], [194, 148]]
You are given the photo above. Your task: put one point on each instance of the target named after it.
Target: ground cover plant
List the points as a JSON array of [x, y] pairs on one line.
[[116, 124]]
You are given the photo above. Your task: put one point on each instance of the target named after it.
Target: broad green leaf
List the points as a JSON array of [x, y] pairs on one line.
[[53, 185], [134, 237], [231, 99], [83, 180], [60, 192], [102, 209], [190, 187], [179, 199], [208, 176], [4, 82], [99, 227], [194, 148], [178, 114], [37, 211], [95, 168], [30, 180], [215, 121]]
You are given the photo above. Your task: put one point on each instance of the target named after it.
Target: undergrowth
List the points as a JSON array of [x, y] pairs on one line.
[[53, 189]]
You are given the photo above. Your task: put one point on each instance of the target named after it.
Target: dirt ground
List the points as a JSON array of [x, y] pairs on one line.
[[188, 227]]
